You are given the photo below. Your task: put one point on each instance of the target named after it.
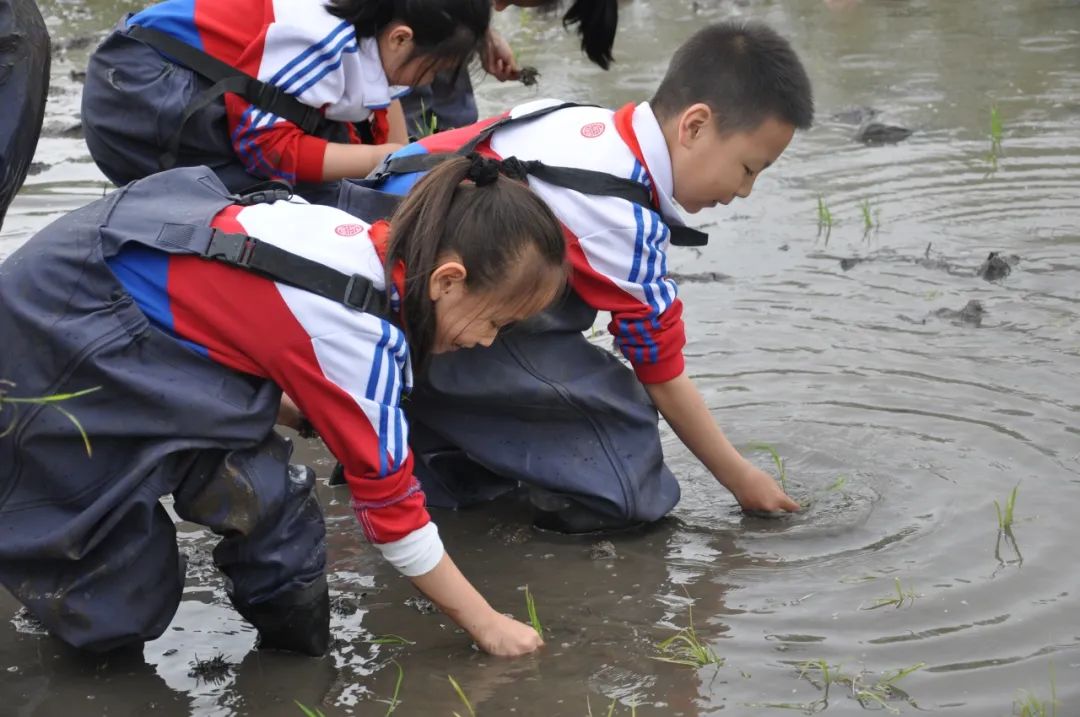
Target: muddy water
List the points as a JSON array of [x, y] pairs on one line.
[[901, 423]]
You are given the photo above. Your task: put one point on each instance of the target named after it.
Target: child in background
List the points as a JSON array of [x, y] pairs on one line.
[[448, 102], [159, 295], [542, 405], [290, 90]]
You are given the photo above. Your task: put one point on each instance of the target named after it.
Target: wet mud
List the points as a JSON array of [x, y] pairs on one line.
[[901, 411]]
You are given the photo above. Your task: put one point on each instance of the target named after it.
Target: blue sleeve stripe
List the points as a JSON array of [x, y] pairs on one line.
[[279, 76], [639, 238], [326, 70]]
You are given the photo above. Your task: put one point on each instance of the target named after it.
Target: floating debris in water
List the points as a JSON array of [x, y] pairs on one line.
[[850, 262], [216, 669], [972, 314], [603, 550], [876, 133], [704, 277], [855, 115], [996, 266], [422, 605]]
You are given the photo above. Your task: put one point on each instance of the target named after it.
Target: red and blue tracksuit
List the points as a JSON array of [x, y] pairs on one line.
[[586, 428], [192, 356], [134, 97]]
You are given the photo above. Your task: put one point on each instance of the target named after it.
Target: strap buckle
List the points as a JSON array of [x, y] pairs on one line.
[[235, 249], [359, 293]]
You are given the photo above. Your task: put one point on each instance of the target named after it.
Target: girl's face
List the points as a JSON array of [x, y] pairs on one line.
[[396, 47], [467, 318]]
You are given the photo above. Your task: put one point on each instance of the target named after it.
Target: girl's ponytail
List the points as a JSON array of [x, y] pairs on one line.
[[596, 21], [504, 235]]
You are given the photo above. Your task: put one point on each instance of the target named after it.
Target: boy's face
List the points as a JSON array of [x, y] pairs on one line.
[[709, 167]]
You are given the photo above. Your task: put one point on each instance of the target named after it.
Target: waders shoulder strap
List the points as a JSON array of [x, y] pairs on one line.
[[226, 78], [258, 257], [586, 181], [248, 253]]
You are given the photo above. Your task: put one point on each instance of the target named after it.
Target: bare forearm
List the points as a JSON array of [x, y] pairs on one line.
[[395, 117], [343, 161], [452, 592], [684, 408]]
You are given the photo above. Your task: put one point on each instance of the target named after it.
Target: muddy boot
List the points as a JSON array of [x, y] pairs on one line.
[[297, 621]]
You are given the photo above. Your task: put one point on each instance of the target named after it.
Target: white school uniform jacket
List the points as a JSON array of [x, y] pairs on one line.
[[618, 248]]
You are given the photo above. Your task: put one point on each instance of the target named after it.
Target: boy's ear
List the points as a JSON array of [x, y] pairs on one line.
[[446, 278], [693, 121]]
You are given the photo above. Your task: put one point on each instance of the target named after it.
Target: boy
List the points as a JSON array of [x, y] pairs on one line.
[[542, 405]]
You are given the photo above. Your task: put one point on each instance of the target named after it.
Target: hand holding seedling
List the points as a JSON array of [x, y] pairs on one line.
[[685, 410], [504, 636], [756, 490]]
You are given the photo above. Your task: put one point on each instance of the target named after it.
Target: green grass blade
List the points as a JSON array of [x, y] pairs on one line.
[[308, 712], [82, 432], [534, 618], [389, 639], [394, 701], [777, 460], [461, 694]]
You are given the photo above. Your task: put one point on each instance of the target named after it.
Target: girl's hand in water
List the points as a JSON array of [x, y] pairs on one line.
[[504, 636], [756, 490]]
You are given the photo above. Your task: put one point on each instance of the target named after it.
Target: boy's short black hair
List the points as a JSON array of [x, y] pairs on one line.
[[744, 71]]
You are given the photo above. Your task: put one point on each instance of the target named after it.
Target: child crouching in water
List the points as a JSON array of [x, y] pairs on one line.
[[193, 310], [291, 90]]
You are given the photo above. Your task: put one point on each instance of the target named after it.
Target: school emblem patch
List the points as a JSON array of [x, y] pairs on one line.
[[593, 130], [349, 230]]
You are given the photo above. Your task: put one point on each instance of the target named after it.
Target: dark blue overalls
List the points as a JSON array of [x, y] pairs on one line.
[[24, 86], [85, 542]]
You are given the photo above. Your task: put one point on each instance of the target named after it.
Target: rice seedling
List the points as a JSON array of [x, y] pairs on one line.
[[837, 484], [534, 619], [50, 401], [1027, 704], [897, 600], [389, 639], [685, 648], [308, 712], [394, 701], [824, 218], [1005, 517], [871, 217], [768, 448], [866, 692], [996, 131], [461, 695], [427, 124]]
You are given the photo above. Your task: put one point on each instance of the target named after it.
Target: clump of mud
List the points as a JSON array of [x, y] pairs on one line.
[[529, 76], [604, 550], [215, 670], [422, 605], [997, 266]]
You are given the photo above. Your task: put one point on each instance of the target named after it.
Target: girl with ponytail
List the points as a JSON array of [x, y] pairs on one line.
[[448, 102], [222, 307], [300, 91]]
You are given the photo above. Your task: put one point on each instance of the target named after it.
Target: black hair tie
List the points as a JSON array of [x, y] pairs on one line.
[[515, 168], [482, 170]]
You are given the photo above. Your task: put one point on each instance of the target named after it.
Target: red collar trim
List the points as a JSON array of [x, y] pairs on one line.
[[380, 238], [624, 125]]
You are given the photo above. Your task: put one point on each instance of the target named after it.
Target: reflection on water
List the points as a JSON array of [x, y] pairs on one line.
[[900, 421]]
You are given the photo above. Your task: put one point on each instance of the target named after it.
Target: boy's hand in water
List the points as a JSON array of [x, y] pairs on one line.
[[757, 490], [504, 636]]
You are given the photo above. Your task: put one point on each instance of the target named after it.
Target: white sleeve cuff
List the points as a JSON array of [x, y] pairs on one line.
[[415, 554]]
